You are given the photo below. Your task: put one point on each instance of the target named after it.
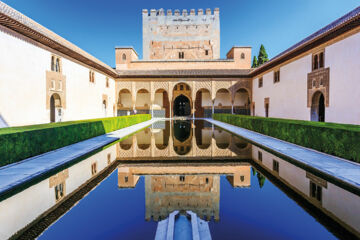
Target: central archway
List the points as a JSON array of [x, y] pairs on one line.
[[182, 106]]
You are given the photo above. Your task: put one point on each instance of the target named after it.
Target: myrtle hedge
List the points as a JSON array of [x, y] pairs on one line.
[[342, 140], [18, 143]]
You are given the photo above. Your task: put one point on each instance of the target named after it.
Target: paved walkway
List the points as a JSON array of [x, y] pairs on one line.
[[16, 174], [338, 168]]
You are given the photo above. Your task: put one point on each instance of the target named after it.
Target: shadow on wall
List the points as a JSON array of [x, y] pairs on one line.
[[3, 123]]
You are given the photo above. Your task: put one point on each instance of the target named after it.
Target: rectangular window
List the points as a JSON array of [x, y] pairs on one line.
[[260, 156], [277, 76], [107, 82], [318, 60], [181, 55], [266, 110], [126, 178], [276, 166], [260, 82], [52, 87], [315, 191], [60, 85], [182, 178], [206, 52]]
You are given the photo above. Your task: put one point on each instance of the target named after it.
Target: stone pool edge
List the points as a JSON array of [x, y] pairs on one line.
[[262, 141], [18, 174]]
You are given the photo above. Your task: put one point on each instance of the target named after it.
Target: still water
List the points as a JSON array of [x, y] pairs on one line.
[[121, 192]]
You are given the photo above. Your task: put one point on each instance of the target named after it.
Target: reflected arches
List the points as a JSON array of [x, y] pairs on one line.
[[182, 136]]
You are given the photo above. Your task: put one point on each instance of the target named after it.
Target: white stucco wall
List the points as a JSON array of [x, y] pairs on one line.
[[343, 59], [23, 66], [288, 98]]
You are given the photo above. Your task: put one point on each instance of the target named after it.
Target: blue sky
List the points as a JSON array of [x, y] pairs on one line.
[[98, 26]]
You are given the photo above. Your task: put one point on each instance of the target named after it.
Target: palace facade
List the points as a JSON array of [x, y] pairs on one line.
[[45, 78]]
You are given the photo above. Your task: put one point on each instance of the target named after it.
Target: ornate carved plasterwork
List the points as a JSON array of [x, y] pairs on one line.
[[142, 85], [318, 80], [201, 85], [161, 85]]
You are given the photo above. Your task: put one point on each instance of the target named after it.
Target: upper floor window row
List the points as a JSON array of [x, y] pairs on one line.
[[318, 60], [56, 64]]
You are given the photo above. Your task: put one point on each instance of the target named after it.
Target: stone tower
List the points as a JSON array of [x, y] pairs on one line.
[[181, 35]]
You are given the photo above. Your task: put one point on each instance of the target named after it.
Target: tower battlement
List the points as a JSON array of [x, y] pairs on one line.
[[175, 34], [177, 12]]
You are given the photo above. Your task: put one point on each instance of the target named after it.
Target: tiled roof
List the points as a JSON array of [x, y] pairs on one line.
[[349, 20], [199, 73]]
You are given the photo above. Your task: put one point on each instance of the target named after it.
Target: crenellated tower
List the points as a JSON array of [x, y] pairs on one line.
[[181, 35]]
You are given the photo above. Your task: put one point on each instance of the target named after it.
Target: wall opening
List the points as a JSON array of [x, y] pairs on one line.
[[318, 107]]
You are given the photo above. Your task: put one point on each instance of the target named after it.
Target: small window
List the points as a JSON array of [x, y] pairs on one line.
[[315, 65], [206, 52], [92, 76], [242, 56], [107, 82], [181, 55], [321, 60], [267, 110], [59, 191], [52, 63], [260, 82], [124, 57], [242, 178], [52, 85], [60, 85], [126, 179], [57, 66], [260, 156], [182, 178], [315, 191], [207, 180], [93, 168], [181, 87], [276, 166], [276, 76]]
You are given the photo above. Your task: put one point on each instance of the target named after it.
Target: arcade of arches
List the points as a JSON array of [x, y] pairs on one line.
[[184, 98]]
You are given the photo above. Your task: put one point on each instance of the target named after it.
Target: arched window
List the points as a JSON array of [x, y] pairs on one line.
[[52, 63], [321, 60], [57, 67], [242, 55], [315, 62], [123, 57]]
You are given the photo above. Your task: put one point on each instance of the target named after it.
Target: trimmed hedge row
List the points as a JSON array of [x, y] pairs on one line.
[[342, 140], [18, 143]]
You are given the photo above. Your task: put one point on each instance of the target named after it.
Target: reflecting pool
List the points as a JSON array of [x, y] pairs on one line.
[[123, 191]]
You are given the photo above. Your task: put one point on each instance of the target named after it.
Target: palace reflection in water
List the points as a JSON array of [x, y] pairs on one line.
[[181, 165]]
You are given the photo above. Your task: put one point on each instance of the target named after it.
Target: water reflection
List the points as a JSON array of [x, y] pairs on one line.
[[195, 187], [222, 178], [194, 140]]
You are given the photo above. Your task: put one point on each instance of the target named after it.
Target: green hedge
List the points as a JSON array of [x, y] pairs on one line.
[[342, 140], [18, 143]]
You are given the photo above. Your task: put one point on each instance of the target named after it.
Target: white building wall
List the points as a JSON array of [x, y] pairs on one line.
[[343, 59], [288, 98], [23, 66]]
